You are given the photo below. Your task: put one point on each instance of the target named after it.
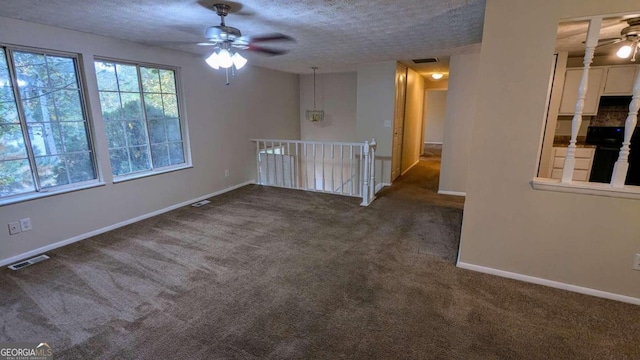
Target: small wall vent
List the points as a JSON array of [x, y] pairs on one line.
[[425, 60], [200, 203], [28, 262]]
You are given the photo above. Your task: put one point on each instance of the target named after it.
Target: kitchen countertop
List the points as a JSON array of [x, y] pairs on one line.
[[577, 145]]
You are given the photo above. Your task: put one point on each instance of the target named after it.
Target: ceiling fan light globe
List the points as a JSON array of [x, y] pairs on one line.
[[213, 60], [624, 52], [224, 59], [238, 61]]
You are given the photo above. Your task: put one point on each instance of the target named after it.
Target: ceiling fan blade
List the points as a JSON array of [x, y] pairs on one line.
[[268, 37], [605, 42], [206, 44], [267, 51]]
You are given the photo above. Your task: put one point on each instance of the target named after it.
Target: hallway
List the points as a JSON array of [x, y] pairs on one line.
[[431, 222]]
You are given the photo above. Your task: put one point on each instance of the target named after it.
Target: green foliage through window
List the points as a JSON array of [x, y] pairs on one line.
[[44, 142], [142, 122]]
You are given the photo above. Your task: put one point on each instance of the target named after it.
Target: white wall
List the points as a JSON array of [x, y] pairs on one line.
[[461, 105], [336, 95], [413, 120], [375, 105], [221, 120], [582, 240], [435, 110]]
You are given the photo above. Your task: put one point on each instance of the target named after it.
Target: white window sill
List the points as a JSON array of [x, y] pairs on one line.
[[587, 188], [48, 192], [144, 174]]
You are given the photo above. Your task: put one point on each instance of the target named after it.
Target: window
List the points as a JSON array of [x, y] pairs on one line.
[[141, 117], [44, 136]]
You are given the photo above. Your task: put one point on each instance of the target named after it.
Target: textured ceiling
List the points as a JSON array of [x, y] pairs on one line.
[[572, 34], [335, 35]]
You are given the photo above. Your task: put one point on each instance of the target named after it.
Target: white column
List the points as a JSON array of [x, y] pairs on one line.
[[591, 43], [622, 165]]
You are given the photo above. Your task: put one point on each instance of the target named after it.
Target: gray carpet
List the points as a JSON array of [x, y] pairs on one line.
[[267, 273]]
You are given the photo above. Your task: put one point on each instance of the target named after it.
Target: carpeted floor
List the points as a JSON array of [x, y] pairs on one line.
[[267, 273]]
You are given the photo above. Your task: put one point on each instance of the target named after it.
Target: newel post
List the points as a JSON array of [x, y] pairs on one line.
[[621, 167], [372, 170], [591, 43], [365, 176]]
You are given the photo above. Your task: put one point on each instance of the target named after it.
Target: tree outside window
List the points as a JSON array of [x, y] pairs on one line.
[[44, 137], [142, 122]]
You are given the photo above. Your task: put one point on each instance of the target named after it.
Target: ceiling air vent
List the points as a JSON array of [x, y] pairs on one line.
[[425, 60], [25, 263]]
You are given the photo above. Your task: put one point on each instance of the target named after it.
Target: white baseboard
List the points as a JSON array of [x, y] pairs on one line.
[[455, 193], [379, 186], [58, 244], [410, 167], [550, 283]]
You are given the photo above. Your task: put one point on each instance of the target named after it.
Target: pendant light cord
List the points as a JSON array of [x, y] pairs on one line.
[[314, 86]]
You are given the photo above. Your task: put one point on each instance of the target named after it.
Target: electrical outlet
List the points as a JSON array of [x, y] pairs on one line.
[[226, 173], [636, 262], [25, 224], [14, 228]]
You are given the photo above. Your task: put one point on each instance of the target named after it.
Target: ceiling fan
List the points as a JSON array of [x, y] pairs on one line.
[[630, 35], [229, 36], [227, 40]]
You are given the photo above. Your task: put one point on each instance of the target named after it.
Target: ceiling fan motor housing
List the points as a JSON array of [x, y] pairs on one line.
[[633, 30], [222, 32]]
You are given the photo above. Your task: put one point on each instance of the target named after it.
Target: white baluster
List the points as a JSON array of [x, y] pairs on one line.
[[350, 169], [298, 169], [621, 167], [258, 163], [315, 183], [341, 169], [333, 186], [324, 187], [590, 46], [266, 162], [306, 167]]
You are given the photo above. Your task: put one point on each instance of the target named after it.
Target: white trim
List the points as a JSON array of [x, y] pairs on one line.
[[586, 188], [379, 186], [50, 192], [550, 283], [144, 174], [433, 142], [62, 243], [454, 193], [410, 167]]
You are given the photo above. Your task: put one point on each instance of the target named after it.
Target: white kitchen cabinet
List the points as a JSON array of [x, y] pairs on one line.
[[570, 91], [584, 161], [620, 80]]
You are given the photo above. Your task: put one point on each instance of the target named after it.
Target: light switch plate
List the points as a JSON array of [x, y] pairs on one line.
[[25, 224], [387, 123]]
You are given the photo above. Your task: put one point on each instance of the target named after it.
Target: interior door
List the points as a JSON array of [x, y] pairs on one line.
[[398, 120]]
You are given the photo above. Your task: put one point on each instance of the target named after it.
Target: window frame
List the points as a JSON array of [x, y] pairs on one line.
[[39, 191], [182, 117]]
